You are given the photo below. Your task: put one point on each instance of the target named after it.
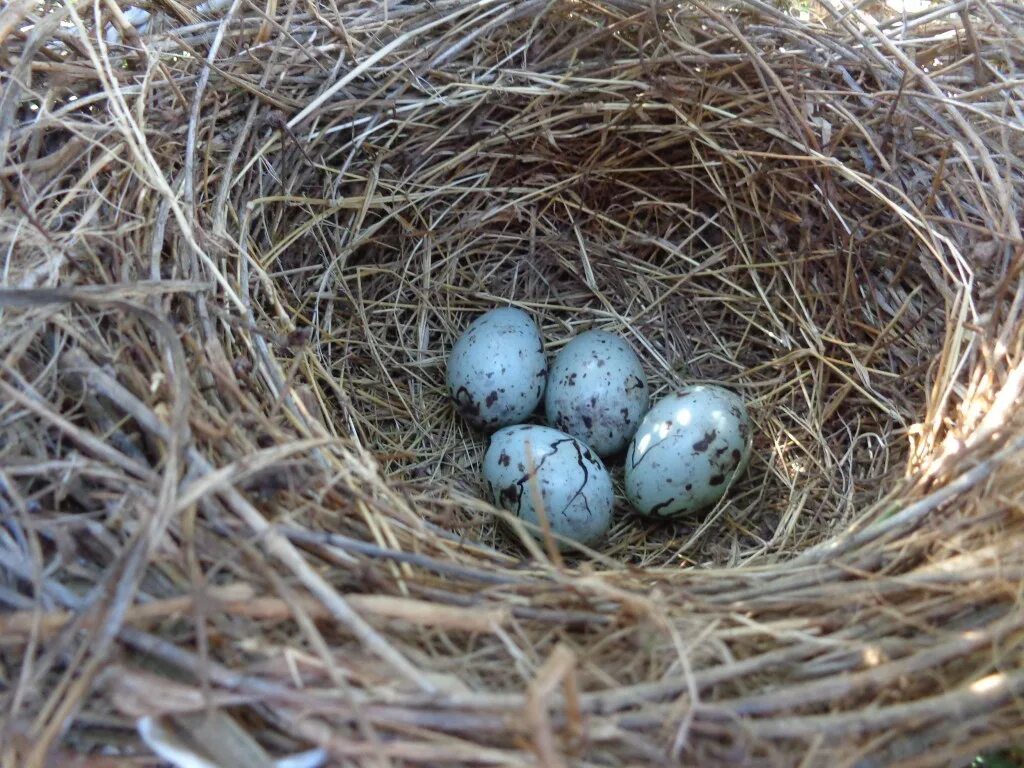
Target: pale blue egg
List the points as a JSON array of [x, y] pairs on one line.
[[568, 479], [687, 450], [597, 391], [497, 371]]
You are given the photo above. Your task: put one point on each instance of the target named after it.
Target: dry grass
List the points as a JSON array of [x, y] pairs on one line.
[[238, 247]]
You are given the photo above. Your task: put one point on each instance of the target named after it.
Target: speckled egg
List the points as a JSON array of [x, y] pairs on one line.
[[687, 450], [496, 370], [597, 391], [572, 482]]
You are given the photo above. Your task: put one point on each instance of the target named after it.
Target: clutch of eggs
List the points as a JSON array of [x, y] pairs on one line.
[[681, 454]]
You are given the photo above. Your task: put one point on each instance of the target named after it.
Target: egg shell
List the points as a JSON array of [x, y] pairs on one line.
[[687, 450], [573, 483], [497, 371], [597, 391]]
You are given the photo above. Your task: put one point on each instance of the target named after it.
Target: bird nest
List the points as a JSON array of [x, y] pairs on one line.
[[240, 515]]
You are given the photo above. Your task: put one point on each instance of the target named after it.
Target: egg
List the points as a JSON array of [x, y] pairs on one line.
[[527, 463], [497, 371], [687, 450], [597, 391]]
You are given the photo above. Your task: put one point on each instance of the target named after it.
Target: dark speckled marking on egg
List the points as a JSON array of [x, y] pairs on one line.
[[496, 372], [597, 391], [702, 445]]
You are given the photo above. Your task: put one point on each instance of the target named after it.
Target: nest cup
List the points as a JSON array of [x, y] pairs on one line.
[[239, 244]]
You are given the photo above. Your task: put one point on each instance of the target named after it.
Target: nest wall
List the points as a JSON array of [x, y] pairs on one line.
[[239, 243]]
